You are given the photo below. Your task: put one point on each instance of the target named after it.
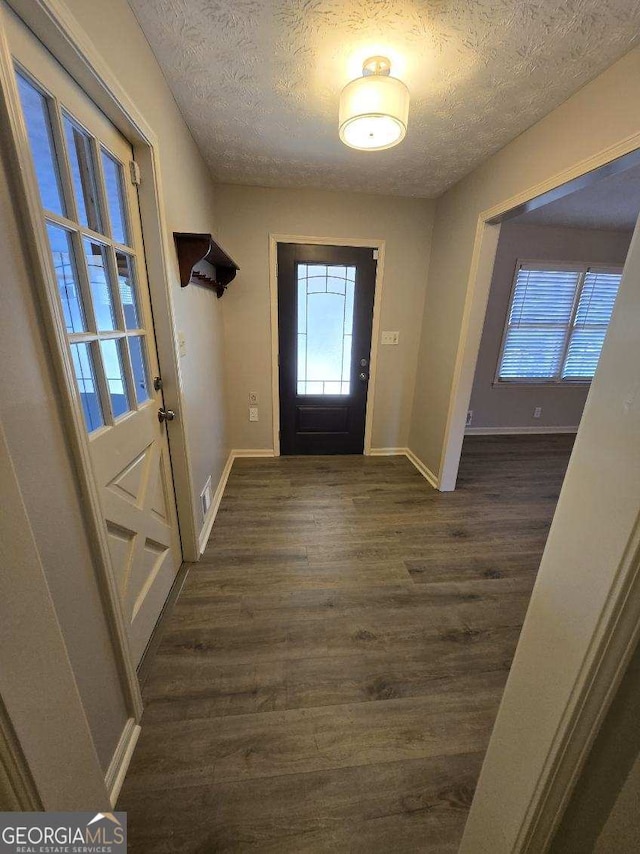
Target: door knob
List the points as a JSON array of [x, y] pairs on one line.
[[363, 377], [363, 363], [165, 414]]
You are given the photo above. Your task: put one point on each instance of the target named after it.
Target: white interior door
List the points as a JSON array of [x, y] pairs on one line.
[[90, 207]]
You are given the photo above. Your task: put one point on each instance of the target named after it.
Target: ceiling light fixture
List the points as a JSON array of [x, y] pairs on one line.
[[374, 108]]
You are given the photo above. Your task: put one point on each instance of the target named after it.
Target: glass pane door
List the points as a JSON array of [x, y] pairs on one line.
[[325, 328], [85, 209]]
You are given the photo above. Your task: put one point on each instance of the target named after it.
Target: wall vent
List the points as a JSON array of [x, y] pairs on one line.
[[206, 497]]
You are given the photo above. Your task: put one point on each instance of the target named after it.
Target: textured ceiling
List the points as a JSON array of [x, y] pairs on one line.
[[258, 81], [611, 204]]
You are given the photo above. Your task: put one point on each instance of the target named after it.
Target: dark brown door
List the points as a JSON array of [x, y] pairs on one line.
[[325, 314]]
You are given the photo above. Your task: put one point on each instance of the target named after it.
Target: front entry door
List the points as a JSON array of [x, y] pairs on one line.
[[90, 210], [325, 315]]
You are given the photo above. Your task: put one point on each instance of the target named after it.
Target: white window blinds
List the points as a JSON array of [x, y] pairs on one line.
[[590, 324], [556, 323]]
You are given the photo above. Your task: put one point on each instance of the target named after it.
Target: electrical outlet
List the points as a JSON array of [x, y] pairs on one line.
[[253, 398], [469, 417], [182, 345], [537, 412], [391, 338], [253, 413]]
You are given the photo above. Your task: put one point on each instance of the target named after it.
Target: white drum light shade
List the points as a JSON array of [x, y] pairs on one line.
[[374, 111]]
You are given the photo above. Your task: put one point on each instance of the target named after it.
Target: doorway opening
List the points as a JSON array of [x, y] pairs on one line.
[[553, 270]]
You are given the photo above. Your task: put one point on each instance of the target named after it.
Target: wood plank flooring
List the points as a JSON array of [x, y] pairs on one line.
[[330, 673]]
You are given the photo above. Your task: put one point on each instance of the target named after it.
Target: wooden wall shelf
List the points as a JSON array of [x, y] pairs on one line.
[[215, 268]]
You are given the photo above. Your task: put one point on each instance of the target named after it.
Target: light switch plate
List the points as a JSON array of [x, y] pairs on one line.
[[182, 345], [391, 338], [253, 398], [253, 413]]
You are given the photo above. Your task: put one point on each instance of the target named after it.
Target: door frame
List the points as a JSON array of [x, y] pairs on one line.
[[360, 243], [68, 42], [617, 632], [610, 161]]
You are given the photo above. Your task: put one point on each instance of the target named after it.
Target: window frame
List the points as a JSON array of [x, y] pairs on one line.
[[535, 264], [78, 234]]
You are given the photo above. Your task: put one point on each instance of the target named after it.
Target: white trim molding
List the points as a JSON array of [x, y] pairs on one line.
[[424, 470], [121, 759], [212, 512], [372, 243], [253, 452], [517, 431]]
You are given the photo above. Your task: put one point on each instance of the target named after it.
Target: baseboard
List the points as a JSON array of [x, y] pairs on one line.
[[210, 518], [212, 512], [516, 431], [252, 452], [424, 470], [119, 764]]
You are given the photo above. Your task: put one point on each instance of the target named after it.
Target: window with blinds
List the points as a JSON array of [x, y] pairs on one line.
[[557, 322]]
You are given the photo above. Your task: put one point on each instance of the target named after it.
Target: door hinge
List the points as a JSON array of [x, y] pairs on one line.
[[134, 169], [375, 254]]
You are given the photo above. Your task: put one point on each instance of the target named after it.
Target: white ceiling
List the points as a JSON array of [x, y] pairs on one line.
[[258, 81], [611, 204]]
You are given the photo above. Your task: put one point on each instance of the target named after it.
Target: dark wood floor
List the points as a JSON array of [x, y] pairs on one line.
[[331, 671]]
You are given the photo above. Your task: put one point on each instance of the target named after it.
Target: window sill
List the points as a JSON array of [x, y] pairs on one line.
[[536, 384]]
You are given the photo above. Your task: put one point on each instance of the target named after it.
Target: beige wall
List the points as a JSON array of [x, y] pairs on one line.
[[509, 406], [247, 216], [602, 113], [190, 205]]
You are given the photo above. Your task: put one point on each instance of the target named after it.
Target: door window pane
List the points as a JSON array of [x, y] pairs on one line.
[[65, 269], [83, 174], [139, 367], [325, 328], [114, 374], [115, 200], [36, 117], [101, 294], [127, 287], [85, 376]]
